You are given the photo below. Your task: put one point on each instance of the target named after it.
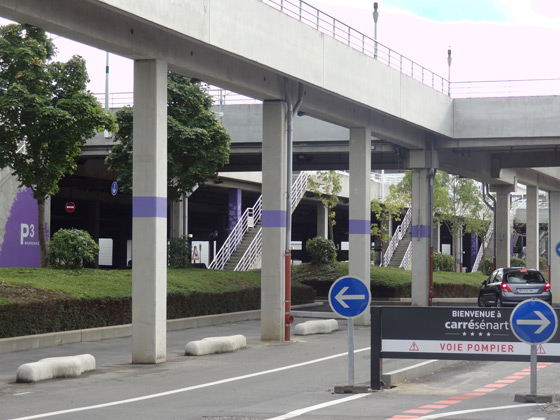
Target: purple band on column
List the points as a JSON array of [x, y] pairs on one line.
[[359, 227], [274, 218], [149, 207], [420, 231]]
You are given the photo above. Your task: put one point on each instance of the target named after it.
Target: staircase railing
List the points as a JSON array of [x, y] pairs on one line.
[[252, 254], [397, 237], [248, 259], [407, 259], [482, 247], [250, 217]]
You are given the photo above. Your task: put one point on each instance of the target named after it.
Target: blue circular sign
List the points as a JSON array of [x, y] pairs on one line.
[[349, 297], [558, 249], [114, 188], [534, 321]]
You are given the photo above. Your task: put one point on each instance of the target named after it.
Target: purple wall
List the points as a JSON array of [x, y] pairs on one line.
[[474, 249], [21, 241], [234, 207]]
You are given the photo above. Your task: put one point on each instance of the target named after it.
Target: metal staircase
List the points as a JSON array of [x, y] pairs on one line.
[[243, 246], [398, 246]]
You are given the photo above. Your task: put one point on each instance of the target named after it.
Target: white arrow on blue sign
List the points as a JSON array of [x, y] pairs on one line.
[[114, 188], [349, 297], [534, 321]]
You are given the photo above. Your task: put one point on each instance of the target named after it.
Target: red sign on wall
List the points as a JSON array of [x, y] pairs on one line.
[[70, 207]]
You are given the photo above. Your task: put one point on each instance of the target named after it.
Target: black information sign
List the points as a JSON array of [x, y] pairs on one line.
[[453, 333]]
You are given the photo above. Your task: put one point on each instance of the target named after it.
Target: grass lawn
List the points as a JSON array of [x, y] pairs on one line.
[[22, 285]]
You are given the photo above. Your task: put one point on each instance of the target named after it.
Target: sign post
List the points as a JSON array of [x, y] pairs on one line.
[[349, 297], [533, 322]]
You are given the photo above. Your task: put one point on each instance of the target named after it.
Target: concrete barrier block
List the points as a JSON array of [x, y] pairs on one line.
[[323, 326], [210, 345], [55, 367]]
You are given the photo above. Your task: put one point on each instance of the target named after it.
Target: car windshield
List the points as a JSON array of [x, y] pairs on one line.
[[523, 277]]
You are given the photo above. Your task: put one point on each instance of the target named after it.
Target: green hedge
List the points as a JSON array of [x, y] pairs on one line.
[[75, 314]]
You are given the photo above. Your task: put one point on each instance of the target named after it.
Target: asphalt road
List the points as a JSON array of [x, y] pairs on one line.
[[266, 381]]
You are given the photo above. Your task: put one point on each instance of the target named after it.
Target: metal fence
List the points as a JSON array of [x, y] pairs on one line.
[[357, 40]]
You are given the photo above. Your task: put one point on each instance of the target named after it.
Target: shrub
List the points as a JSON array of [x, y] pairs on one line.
[[178, 253], [70, 248], [516, 262], [543, 263], [443, 262], [486, 266], [321, 250]]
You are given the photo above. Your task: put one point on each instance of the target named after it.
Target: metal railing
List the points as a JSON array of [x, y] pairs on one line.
[[251, 216], [407, 259], [254, 250], [9, 171], [357, 40], [397, 237], [482, 247]]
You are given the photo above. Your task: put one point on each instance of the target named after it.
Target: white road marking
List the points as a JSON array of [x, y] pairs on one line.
[[187, 389], [301, 411], [475, 410]]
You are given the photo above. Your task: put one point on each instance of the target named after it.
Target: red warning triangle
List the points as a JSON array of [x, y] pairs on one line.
[[540, 349], [414, 347]]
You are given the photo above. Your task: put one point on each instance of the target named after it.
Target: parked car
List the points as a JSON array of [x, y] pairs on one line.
[[509, 286]]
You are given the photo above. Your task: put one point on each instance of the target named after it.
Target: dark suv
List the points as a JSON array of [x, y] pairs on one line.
[[509, 286]]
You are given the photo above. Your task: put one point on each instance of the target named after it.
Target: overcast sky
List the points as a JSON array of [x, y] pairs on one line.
[[490, 39]]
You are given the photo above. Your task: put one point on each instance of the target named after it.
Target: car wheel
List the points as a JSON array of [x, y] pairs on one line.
[[480, 302], [499, 303]]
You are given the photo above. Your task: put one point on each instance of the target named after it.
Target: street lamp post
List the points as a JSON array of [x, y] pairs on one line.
[[375, 17], [449, 59]]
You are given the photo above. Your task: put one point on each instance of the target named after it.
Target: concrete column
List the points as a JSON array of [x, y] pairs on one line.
[[149, 212], [420, 237], [554, 240], [176, 222], [436, 237], [458, 249], [322, 221], [359, 228], [532, 228], [274, 160], [503, 225]]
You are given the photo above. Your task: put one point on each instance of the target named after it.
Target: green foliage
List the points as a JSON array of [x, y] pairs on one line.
[[321, 250], [178, 253], [197, 144], [45, 107], [486, 266], [443, 262], [383, 213], [516, 262], [543, 263], [70, 248], [96, 298], [387, 282], [327, 185]]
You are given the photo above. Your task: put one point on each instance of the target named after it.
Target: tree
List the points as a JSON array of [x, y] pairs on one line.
[[457, 202], [197, 144], [46, 114], [327, 185]]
